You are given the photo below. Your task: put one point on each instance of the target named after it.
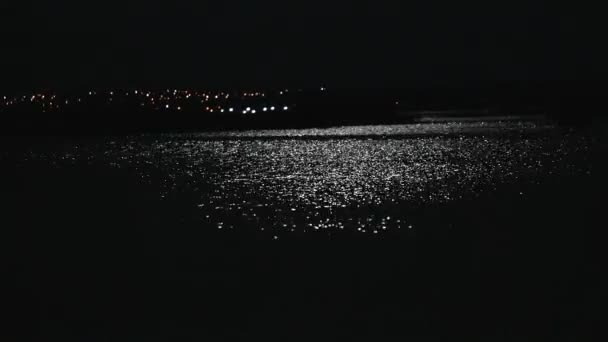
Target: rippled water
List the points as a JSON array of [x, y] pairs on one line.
[[331, 181], [410, 130]]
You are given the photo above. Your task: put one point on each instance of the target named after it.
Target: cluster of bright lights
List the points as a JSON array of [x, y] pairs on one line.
[[42, 101], [246, 102], [264, 109], [253, 94]]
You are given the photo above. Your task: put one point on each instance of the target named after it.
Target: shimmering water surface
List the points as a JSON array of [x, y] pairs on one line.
[[361, 180]]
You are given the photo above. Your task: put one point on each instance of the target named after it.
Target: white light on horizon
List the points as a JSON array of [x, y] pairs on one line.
[[285, 108]]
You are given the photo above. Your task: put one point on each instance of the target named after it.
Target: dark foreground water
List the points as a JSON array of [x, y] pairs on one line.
[[453, 229]]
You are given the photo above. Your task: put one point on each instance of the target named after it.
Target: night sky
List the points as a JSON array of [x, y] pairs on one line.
[[79, 44]]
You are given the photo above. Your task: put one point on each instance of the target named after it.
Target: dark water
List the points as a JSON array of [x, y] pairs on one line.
[[452, 229]]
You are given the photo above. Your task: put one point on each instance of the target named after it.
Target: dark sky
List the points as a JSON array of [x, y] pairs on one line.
[[287, 43]]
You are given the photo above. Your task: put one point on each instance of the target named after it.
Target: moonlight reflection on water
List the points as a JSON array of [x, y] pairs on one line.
[[364, 186]]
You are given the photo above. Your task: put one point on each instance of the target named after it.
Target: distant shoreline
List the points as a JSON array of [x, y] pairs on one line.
[[440, 117]]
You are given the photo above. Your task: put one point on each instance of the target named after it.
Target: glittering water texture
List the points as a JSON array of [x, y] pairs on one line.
[[410, 130], [363, 186]]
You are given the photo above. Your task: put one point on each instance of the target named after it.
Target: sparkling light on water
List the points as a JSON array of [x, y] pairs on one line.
[[325, 181]]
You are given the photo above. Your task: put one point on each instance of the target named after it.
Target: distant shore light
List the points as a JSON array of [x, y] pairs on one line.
[[264, 109], [272, 108], [285, 108], [231, 110]]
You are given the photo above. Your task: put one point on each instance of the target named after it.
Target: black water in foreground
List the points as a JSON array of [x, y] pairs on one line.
[[295, 235]]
